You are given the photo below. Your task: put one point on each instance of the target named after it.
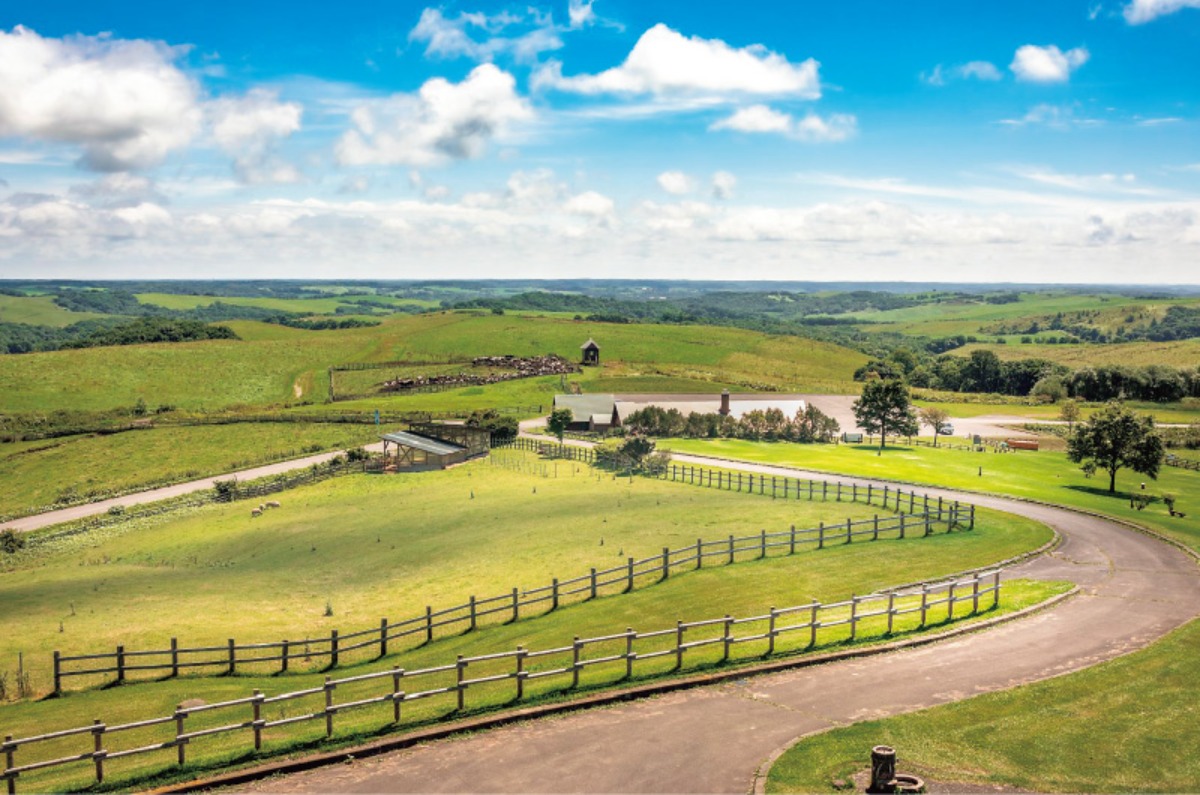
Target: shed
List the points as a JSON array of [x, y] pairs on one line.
[[591, 353], [412, 452], [584, 407]]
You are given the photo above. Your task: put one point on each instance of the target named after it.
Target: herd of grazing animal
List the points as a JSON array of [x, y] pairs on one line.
[[265, 506]]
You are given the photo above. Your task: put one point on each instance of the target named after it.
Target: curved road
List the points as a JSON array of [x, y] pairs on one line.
[[1134, 589]]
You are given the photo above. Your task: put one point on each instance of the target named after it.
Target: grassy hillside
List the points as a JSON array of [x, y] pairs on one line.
[[1180, 353], [39, 310], [365, 546], [214, 374], [73, 469]]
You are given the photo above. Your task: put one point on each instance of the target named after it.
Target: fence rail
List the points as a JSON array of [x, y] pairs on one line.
[[452, 680], [917, 515], [1183, 463]]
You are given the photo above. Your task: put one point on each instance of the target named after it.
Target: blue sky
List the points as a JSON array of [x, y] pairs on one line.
[[982, 141]]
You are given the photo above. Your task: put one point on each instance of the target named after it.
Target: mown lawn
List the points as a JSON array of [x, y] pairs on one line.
[[1129, 725], [366, 546], [1044, 475], [39, 474]]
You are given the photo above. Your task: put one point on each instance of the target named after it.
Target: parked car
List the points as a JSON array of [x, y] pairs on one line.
[[946, 429]]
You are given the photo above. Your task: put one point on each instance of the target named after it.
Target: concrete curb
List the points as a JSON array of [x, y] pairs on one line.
[[408, 740]]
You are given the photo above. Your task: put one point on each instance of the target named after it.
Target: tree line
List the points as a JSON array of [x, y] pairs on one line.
[[809, 425]]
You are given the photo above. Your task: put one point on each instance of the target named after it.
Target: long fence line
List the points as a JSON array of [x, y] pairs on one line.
[[452, 681], [923, 516], [1173, 460]]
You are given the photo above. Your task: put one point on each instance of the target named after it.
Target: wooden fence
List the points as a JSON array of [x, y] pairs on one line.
[[923, 518], [1182, 463], [619, 652]]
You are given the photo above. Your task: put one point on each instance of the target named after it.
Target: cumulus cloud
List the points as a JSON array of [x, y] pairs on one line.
[[676, 183], [124, 102], [723, 184], [663, 62], [580, 13], [1047, 64], [972, 70], [443, 121], [119, 190], [809, 129], [592, 205], [1140, 12], [477, 35], [248, 128]]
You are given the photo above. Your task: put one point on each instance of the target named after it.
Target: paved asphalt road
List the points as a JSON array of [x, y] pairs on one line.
[[715, 739]]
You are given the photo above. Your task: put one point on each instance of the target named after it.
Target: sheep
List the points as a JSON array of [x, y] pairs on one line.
[[272, 504], [255, 512]]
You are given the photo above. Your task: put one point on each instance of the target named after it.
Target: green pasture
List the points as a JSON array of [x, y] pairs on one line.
[[1128, 725], [68, 470], [312, 306], [367, 546], [1170, 413], [39, 310], [286, 368], [1177, 353], [1044, 475]]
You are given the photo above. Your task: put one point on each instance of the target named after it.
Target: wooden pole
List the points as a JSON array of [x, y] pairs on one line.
[[629, 575], [727, 637], [428, 624], [257, 704], [397, 693], [762, 547], [180, 742], [593, 584], [516, 605], [57, 674], [98, 749], [666, 562], [554, 594], [474, 615], [333, 648], [813, 624], [821, 535], [383, 638], [771, 632], [699, 553], [924, 602], [629, 655], [283, 661], [120, 664], [175, 657], [678, 645], [849, 531], [875, 528], [576, 648], [521, 672], [891, 610], [792, 542], [329, 686], [460, 670]]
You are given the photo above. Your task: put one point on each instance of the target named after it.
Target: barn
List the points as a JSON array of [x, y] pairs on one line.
[[431, 446]]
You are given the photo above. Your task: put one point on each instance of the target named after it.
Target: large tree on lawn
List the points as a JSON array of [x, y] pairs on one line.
[[884, 408], [1115, 438]]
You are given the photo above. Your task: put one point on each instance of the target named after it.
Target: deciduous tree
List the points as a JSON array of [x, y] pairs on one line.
[[1115, 438], [935, 418], [884, 408]]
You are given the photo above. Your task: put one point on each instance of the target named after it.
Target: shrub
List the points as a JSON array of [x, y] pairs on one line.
[[11, 543]]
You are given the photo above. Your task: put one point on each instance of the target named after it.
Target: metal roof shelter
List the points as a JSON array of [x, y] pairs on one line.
[[414, 452]]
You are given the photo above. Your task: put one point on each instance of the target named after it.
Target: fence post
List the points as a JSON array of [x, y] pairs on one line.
[[824, 490], [875, 528], [950, 603], [975, 594], [460, 673], [821, 535], [885, 497], [868, 494], [629, 575], [854, 492], [679, 645], [98, 749], [333, 648], [428, 624], [174, 657], [329, 686], [891, 610], [516, 605], [397, 693], [771, 632], [902, 525], [792, 542], [57, 674], [120, 664], [666, 563], [853, 616], [762, 548], [283, 663], [629, 655], [912, 497], [699, 553], [928, 526], [924, 602], [180, 741], [813, 624], [730, 550], [257, 704], [474, 615], [593, 584], [939, 509], [383, 638], [810, 490], [972, 525], [576, 647], [554, 594], [849, 531], [727, 638], [996, 589], [839, 491]]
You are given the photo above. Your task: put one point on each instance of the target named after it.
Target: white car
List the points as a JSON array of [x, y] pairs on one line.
[[946, 429]]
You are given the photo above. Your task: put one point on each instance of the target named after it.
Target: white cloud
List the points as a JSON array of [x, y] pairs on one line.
[[1057, 117], [663, 62], [248, 127], [119, 190], [443, 121], [723, 184], [676, 183], [810, 129], [1140, 12], [580, 13], [972, 70], [1047, 64], [590, 204], [447, 37], [124, 102]]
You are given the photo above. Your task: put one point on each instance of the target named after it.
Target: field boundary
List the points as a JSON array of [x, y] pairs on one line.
[[672, 645], [922, 518]]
